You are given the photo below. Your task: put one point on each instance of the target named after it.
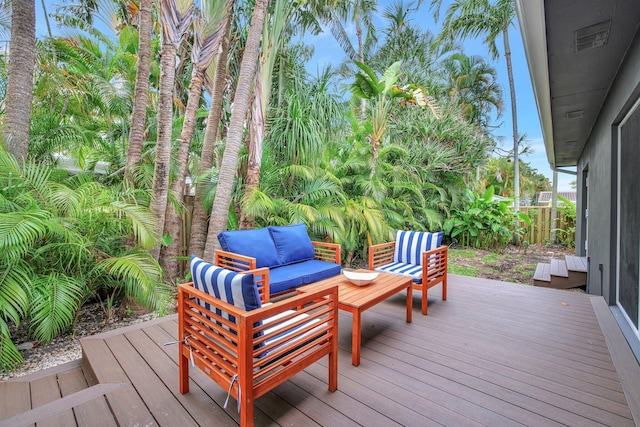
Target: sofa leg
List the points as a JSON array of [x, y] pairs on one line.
[[444, 289]]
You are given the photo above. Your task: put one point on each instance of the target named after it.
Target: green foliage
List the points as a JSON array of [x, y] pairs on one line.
[[483, 223], [491, 258], [461, 253], [498, 172], [566, 235], [463, 271], [62, 241]]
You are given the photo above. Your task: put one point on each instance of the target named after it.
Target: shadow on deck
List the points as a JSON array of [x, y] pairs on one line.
[[495, 353]]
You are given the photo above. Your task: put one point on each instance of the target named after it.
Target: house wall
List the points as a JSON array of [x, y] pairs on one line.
[[600, 157]]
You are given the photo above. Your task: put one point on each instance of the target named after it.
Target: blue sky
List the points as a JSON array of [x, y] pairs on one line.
[[328, 51]]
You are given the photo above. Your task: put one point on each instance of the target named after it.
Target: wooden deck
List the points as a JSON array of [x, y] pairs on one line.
[[493, 354]]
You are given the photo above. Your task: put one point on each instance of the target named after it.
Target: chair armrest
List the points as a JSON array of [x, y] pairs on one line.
[[330, 252], [381, 254], [234, 261], [434, 263]]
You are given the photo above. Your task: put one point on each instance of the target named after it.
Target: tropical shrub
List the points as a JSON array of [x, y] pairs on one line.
[[484, 223], [566, 236], [64, 240]]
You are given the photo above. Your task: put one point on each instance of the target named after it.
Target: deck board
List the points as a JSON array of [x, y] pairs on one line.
[[494, 353], [127, 405], [46, 390], [95, 412], [165, 409], [16, 398]]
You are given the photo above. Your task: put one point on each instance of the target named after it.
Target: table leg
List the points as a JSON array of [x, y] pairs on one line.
[[356, 338], [409, 302]]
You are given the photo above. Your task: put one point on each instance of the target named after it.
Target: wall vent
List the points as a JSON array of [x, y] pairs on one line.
[[592, 36], [577, 114]]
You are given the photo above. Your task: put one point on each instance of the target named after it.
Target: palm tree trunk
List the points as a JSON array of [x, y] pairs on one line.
[[173, 221], [256, 136], [141, 91], [19, 91], [46, 19], [200, 217], [358, 19], [220, 209], [272, 40], [160, 187], [514, 120], [175, 22]]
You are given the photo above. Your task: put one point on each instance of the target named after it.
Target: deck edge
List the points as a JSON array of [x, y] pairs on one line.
[[623, 358], [53, 370], [60, 405]]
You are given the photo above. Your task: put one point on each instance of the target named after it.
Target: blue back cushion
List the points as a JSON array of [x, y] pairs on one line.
[[237, 289], [411, 244], [292, 243], [254, 243]]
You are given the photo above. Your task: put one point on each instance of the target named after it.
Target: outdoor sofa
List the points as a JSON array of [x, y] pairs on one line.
[[292, 258]]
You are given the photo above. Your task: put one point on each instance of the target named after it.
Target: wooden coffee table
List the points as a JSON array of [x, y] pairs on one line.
[[357, 299]]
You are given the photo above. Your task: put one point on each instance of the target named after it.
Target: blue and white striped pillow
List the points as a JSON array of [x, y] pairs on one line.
[[411, 244], [229, 286]]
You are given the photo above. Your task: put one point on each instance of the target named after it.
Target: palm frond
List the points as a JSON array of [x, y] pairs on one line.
[[19, 231], [341, 36], [140, 275], [142, 222], [176, 18], [56, 300], [15, 279], [10, 357]]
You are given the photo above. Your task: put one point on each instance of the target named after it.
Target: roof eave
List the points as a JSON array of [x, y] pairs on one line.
[[531, 18]]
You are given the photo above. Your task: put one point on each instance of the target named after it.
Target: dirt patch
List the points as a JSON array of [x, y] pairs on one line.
[[514, 264]]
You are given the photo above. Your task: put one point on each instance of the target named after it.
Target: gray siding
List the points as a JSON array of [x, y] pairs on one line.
[[600, 157]]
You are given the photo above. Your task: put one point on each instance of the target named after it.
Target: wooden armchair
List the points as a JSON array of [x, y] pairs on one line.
[[410, 255], [250, 351]]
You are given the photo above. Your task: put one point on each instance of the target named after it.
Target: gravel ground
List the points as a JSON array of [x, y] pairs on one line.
[[65, 348]]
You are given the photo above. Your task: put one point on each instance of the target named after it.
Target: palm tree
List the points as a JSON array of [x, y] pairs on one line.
[[380, 92], [472, 82], [82, 97], [222, 201], [272, 41], [19, 92], [200, 216], [474, 18], [176, 17], [209, 28], [141, 91], [359, 12]]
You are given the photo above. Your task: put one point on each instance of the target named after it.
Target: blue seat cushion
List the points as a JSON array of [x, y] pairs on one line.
[[411, 270], [292, 243], [254, 243], [288, 277], [411, 244]]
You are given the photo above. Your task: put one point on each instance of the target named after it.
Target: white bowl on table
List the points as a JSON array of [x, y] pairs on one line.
[[360, 278]]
